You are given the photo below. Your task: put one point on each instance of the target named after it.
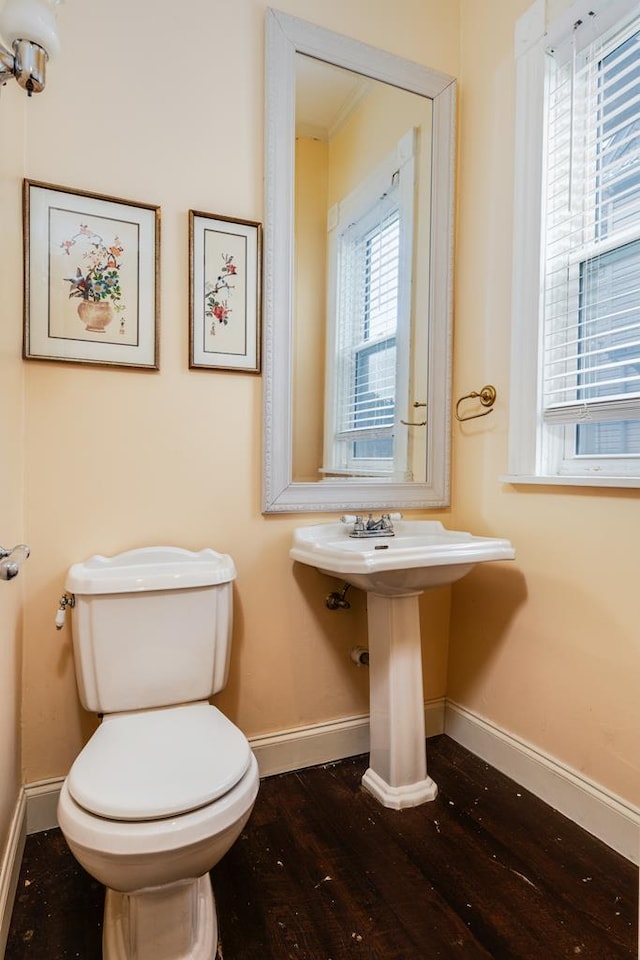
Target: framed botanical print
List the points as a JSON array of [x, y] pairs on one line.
[[225, 292], [91, 277]]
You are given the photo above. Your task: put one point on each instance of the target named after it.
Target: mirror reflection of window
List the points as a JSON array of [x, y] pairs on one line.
[[368, 328], [362, 177]]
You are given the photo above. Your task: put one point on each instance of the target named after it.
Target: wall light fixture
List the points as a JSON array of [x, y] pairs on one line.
[[28, 27]]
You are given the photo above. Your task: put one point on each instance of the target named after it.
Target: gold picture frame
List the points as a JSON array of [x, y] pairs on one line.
[[92, 278], [225, 304]]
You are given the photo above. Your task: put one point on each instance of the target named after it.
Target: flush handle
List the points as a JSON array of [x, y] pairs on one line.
[[66, 600]]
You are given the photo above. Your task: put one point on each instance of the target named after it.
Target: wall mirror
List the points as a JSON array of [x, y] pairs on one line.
[[358, 275]]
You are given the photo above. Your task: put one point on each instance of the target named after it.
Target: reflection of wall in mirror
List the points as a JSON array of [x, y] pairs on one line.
[[355, 150], [310, 251]]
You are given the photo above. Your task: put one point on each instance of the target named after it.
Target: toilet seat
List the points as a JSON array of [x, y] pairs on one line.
[[130, 839], [154, 764]]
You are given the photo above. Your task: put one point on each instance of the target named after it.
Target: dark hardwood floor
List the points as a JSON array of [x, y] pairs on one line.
[[322, 872]]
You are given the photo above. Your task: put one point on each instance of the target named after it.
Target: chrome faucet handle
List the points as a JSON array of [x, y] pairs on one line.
[[356, 520]]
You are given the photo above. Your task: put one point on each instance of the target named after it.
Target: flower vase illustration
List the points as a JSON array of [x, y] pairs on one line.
[[97, 280], [96, 314]]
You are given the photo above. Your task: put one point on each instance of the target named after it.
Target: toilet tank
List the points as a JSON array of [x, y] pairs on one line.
[[151, 627]]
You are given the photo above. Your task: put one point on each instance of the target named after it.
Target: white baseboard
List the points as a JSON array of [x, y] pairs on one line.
[[42, 804], [325, 742], [593, 808], [10, 868], [307, 746]]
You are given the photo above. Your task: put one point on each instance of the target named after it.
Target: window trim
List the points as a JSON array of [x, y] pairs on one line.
[[533, 37]]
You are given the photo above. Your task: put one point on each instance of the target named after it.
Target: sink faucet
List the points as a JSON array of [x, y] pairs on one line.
[[370, 527]]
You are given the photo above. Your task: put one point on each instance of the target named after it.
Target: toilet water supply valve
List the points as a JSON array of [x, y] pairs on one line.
[[66, 600]]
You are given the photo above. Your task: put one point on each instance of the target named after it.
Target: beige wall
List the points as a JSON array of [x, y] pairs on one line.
[[12, 529], [371, 132], [310, 293], [547, 648], [118, 458]]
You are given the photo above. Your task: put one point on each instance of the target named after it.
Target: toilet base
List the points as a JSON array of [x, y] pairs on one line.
[[172, 922]]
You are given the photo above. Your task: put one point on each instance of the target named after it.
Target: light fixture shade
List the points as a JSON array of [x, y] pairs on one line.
[[33, 20]]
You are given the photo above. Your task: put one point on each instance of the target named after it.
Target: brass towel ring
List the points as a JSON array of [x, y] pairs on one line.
[[486, 396], [415, 423]]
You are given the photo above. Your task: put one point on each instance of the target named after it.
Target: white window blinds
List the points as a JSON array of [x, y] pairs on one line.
[[367, 333], [591, 264]]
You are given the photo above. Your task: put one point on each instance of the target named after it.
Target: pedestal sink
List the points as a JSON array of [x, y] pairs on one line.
[[394, 570]]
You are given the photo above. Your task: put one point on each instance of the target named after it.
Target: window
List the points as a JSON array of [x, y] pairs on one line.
[[576, 414], [366, 350], [370, 250]]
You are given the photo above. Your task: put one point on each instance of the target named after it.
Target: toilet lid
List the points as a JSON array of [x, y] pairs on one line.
[[158, 763]]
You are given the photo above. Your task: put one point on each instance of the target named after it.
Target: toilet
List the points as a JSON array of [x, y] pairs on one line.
[[166, 784]]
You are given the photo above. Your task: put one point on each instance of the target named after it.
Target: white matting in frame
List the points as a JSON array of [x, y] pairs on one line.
[[225, 302], [91, 277]]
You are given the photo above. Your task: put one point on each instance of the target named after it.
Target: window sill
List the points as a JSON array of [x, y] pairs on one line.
[[569, 481]]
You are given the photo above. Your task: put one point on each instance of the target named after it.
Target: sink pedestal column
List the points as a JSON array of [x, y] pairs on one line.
[[397, 773]]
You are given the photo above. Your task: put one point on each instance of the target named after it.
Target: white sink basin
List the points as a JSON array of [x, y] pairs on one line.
[[422, 554]]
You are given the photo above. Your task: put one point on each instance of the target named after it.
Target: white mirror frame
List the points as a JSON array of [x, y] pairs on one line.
[[286, 36]]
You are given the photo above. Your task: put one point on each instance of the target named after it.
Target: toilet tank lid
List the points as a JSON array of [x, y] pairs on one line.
[[150, 568]]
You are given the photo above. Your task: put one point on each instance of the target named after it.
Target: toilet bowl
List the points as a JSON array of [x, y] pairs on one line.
[[130, 856], [141, 807], [159, 902], [154, 800], [165, 785]]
